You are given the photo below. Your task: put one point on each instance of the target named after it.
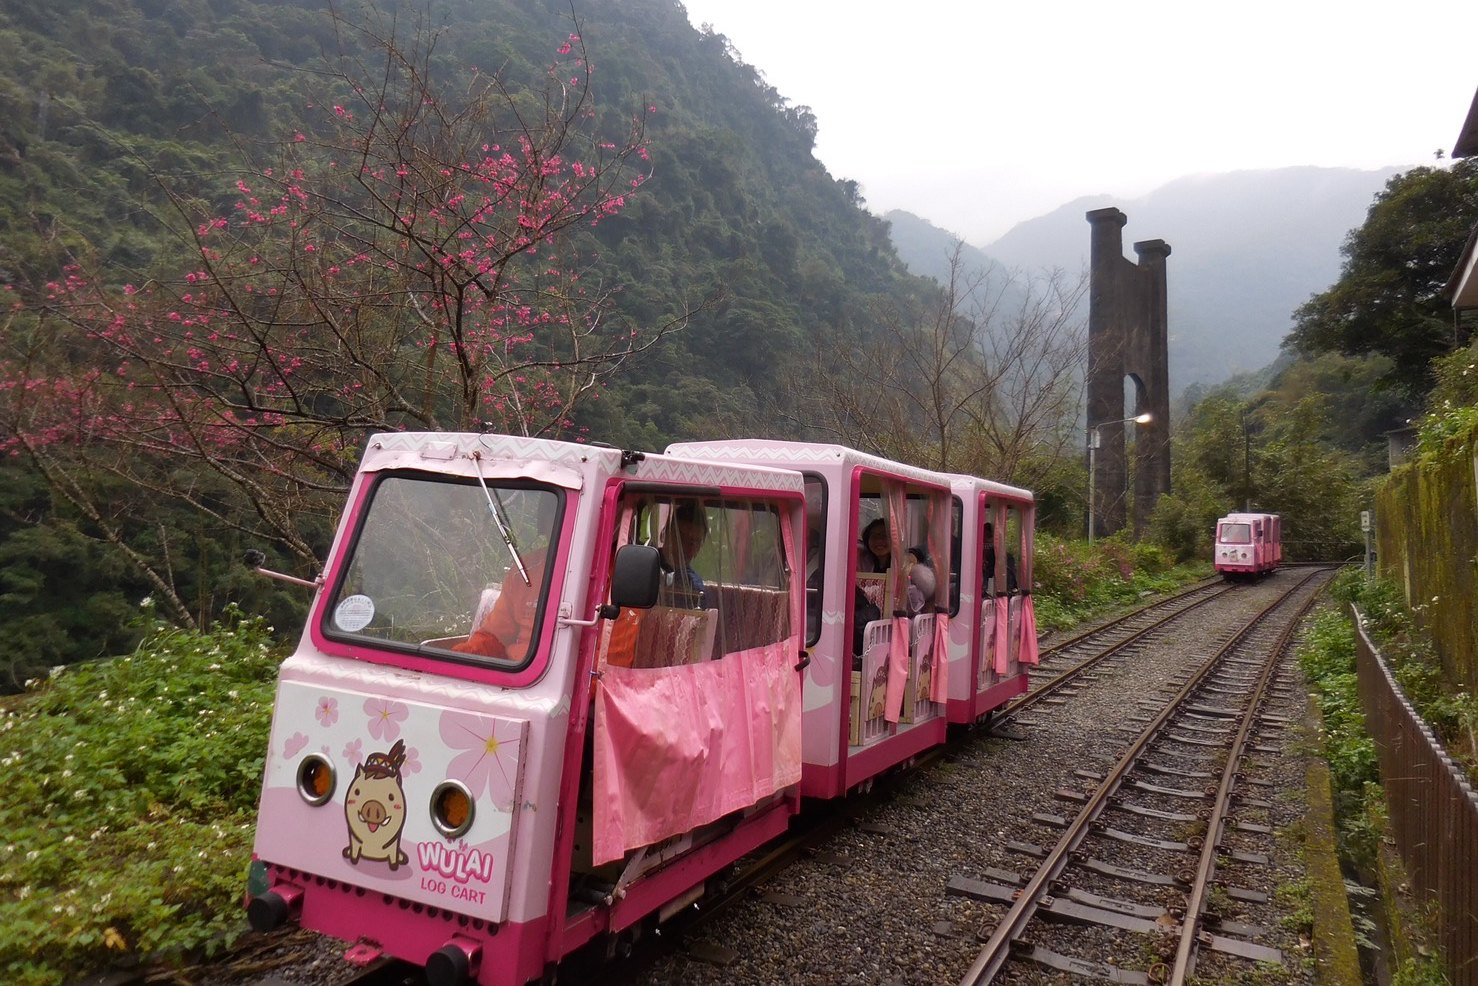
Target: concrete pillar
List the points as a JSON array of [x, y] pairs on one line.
[[1152, 359], [1105, 378]]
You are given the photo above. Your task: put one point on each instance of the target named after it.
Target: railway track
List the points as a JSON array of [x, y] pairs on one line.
[[1068, 661], [1141, 856]]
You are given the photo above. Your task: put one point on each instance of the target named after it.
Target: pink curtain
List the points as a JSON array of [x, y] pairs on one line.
[[897, 523], [1028, 653], [897, 669], [739, 523], [1002, 644], [679, 747], [939, 668], [938, 538]]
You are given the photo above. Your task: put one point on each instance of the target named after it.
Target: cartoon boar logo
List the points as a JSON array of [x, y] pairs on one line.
[[877, 700], [375, 809]]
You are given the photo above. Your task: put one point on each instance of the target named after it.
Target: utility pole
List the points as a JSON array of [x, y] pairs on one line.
[[1246, 464]]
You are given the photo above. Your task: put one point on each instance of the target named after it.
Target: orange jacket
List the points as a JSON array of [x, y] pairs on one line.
[[505, 631]]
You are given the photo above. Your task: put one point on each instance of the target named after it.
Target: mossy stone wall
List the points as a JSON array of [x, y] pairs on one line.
[[1426, 524]]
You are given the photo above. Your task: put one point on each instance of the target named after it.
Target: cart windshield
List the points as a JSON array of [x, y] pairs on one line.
[[448, 567], [1236, 533]]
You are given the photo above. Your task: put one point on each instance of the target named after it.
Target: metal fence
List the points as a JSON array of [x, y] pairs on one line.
[[1433, 808]]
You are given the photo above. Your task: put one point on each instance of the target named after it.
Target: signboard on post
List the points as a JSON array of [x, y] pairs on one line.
[[1365, 526]]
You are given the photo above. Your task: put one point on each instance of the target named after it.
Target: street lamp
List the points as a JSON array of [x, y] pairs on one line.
[[1093, 442]]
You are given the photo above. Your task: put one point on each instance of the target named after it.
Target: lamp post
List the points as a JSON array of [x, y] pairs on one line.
[[1093, 442], [1246, 463]]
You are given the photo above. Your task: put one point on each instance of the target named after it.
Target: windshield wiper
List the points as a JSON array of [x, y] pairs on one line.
[[499, 521]]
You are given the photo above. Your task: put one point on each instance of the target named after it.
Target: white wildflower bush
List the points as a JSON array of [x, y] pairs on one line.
[[130, 797], [1450, 425]]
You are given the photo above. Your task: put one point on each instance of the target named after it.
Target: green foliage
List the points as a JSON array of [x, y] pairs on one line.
[[1450, 426], [1452, 712], [1347, 585], [1389, 299], [1358, 409], [1317, 488], [130, 801], [1183, 521], [1282, 458], [1075, 581], [1329, 660], [63, 597], [1327, 657], [1297, 900], [1421, 970]]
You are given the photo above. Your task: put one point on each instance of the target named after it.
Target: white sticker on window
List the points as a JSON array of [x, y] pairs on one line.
[[354, 613]]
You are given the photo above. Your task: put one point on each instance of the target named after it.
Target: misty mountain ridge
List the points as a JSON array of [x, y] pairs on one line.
[[1247, 248]]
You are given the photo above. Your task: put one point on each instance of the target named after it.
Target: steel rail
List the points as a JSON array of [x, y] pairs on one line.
[[992, 957], [1206, 865], [1050, 686], [1216, 584]]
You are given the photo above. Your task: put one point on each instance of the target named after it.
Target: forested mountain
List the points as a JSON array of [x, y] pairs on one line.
[[1248, 247], [123, 122], [736, 203]]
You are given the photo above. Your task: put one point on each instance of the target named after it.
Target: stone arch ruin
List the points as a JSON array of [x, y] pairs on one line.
[[1128, 348]]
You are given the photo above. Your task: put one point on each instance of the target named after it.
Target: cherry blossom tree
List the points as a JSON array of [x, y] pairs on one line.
[[413, 255]]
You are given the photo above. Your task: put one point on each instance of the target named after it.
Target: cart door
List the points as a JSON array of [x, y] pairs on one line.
[[698, 701]]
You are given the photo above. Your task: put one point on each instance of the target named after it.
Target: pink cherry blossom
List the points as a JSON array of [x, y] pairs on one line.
[[327, 711], [385, 718], [294, 745], [489, 761]]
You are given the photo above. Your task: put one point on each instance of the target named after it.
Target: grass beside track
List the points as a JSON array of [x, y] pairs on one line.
[[131, 793]]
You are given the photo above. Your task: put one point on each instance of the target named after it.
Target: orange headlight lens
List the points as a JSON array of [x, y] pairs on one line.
[[451, 809], [316, 779]]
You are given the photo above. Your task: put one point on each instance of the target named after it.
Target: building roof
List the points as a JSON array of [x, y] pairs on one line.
[[1467, 138], [1462, 286]]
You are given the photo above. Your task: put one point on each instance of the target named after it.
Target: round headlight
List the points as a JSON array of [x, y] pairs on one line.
[[316, 779], [451, 808]]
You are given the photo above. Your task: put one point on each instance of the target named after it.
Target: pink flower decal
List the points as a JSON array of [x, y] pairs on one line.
[[412, 763], [327, 711], [488, 762], [385, 718], [354, 752], [294, 745]]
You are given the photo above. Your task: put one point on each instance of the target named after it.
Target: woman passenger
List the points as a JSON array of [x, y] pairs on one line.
[[876, 551]]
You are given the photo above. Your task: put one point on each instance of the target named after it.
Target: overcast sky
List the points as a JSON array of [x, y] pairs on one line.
[[978, 114]]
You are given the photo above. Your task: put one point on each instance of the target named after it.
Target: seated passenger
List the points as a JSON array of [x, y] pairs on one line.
[[990, 561], [990, 554], [876, 551], [864, 612], [813, 582], [918, 569], [504, 632], [687, 529]]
